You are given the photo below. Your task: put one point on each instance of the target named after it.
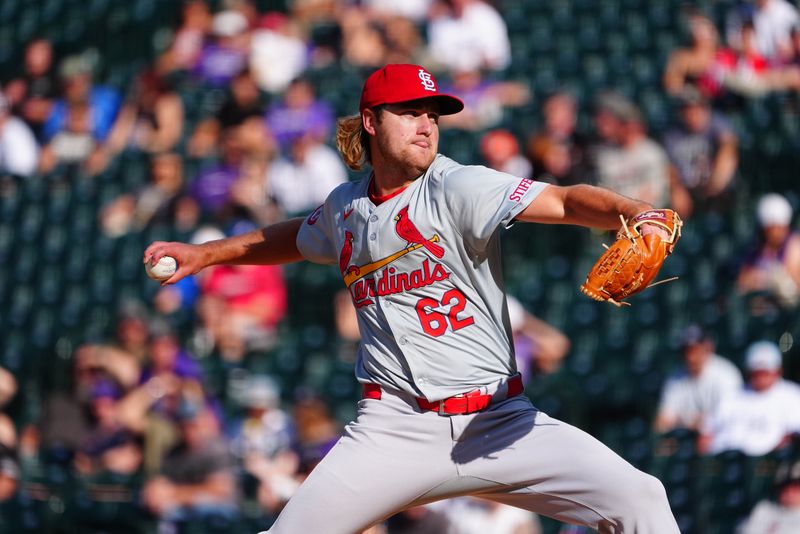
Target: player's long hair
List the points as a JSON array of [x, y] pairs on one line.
[[353, 142]]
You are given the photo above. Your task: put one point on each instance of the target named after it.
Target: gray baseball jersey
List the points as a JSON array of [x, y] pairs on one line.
[[423, 269]]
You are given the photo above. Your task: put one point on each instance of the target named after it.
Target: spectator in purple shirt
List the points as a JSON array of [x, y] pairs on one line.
[[226, 55], [299, 114]]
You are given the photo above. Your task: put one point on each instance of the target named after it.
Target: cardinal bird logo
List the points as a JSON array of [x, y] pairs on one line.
[[346, 253], [406, 229]]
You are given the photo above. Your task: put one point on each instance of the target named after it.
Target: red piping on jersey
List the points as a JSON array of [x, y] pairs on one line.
[[377, 199]]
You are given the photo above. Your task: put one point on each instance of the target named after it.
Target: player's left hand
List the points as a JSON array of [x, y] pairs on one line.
[[633, 261]]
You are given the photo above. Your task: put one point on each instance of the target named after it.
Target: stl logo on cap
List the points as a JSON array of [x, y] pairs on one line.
[[397, 83], [427, 82]]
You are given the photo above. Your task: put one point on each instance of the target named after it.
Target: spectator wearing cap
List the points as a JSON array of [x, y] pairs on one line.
[[108, 446], [225, 55], [197, 480], [703, 154], [100, 103], [783, 516], [19, 152], [262, 442], [635, 165], [760, 417], [772, 265], [695, 390]]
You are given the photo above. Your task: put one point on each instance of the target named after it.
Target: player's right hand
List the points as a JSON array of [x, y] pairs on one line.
[[191, 259]]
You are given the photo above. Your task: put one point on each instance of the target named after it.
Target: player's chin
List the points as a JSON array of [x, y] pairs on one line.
[[422, 157]]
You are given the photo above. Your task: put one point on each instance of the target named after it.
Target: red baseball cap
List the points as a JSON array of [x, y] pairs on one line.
[[401, 83]]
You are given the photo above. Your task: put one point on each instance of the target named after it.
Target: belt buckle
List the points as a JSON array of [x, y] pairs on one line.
[[441, 403]]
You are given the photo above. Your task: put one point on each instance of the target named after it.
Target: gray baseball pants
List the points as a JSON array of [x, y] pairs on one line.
[[394, 456]]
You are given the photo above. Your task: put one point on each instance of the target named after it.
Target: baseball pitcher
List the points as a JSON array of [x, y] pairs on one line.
[[442, 415]]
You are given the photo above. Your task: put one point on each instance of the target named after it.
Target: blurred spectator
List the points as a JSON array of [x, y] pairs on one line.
[[704, 63], [9, 464], [31, 95], [302, 181], [317, 431], [478, 516], [81, 121], [637, 167], [704, 155], [772, 265], [608, 106], [278, 54], [212, 188], [468, 35], [241, 306], [415, 10], [484, 100], [552, 162], [783, 516], [539, 347], [363, 43], [151, 120], [300, 113], [100, 104], [187, 44], [108, 446], [262, 442], [132, 332], [19, 153], [759, 418], [795, 60], [753, 74], [265, 430], [162, 201], [170, 379], [693, 392], [224, 56], [773, 21], [500, 151], [243, 102], [196, 480], [65, 422], [403, 39], [558, 152], [419, 520], [9, 473]]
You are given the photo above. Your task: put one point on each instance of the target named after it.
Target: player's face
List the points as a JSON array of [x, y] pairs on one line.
[[407, 136]]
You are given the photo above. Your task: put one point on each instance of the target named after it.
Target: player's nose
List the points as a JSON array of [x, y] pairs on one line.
[[425, 124]]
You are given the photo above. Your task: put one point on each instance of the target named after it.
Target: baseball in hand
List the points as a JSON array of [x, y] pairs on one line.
[[162, 270]]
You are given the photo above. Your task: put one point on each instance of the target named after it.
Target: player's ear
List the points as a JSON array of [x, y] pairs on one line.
[[369, 120]]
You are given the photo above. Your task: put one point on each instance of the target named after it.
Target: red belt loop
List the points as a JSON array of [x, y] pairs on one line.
[[372, 391], [462, 404]]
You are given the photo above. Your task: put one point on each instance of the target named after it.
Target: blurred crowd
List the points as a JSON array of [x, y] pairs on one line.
[[145, 408]]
